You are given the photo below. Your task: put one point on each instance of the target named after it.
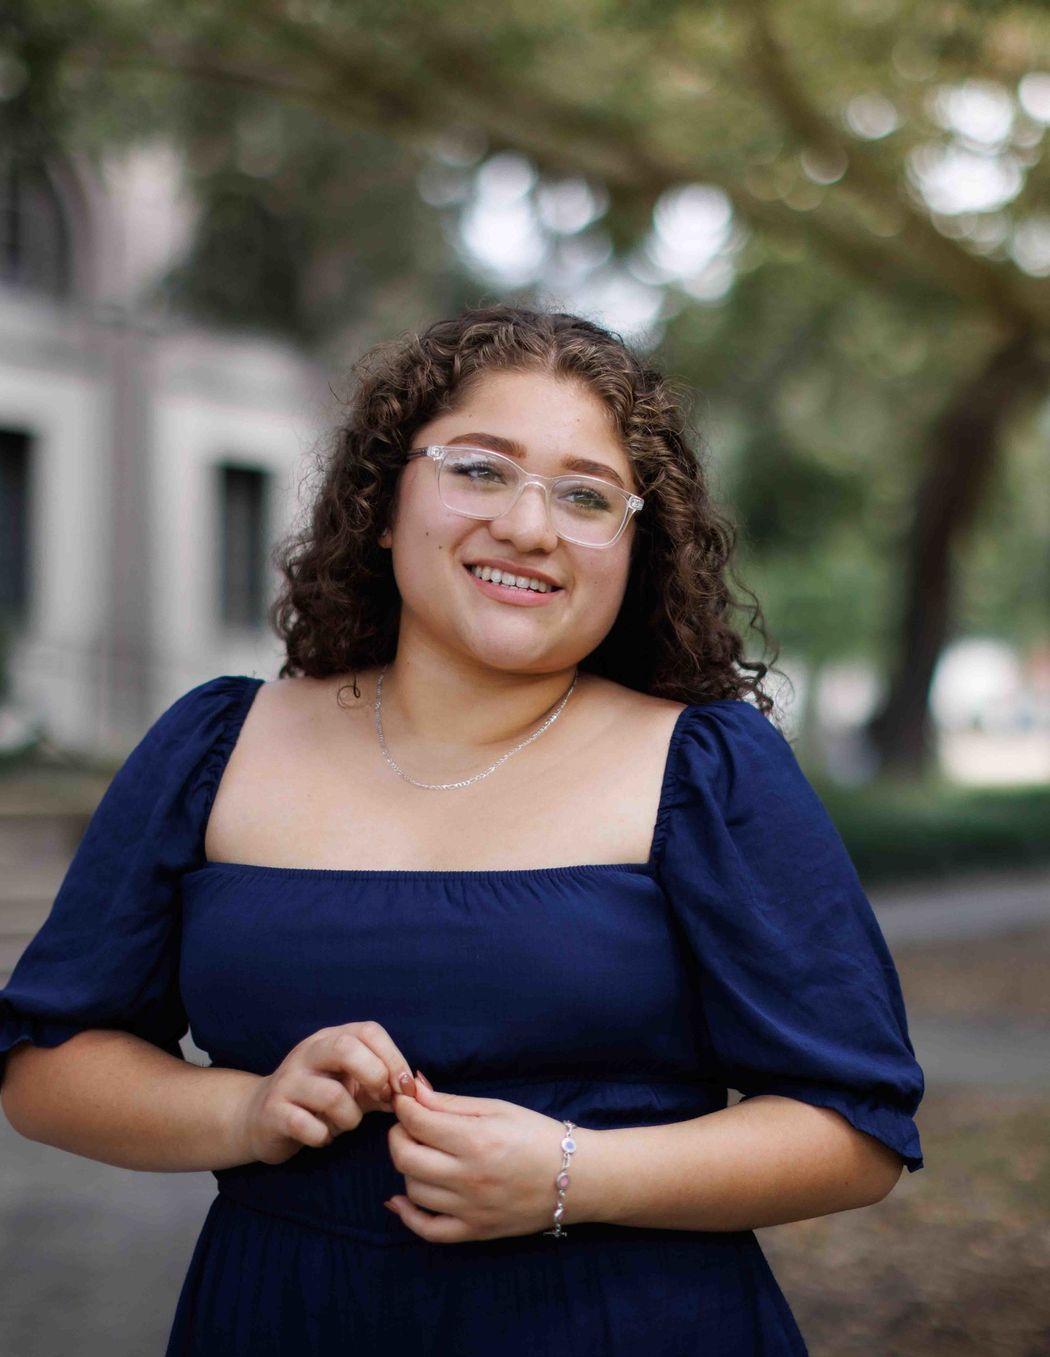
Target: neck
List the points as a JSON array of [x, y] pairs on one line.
[[456, 716]]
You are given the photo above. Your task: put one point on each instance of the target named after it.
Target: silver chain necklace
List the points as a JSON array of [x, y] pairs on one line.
[[448, 786]]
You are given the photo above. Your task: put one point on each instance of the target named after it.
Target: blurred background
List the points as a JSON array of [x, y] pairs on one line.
[[829, 222]]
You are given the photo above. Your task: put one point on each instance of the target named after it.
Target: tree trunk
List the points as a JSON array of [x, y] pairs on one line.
[[962, 450]]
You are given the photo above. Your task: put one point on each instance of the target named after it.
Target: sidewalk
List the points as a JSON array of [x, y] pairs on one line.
[[967, 907], [984, 932]]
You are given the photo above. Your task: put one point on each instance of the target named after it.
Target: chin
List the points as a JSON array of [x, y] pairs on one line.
[[512, 660]]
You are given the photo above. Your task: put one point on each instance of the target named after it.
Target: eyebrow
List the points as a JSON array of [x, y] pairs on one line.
[[513, 449]]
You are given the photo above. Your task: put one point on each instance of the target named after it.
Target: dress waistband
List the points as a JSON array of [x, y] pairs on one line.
[[341, 1187]]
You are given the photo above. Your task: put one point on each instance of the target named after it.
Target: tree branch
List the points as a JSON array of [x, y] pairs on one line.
[[968, 275], [380, 89]]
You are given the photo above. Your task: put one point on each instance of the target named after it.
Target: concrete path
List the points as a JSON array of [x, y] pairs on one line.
[[997, 1055], [969, 907], [91, 1257], [992, 1054]]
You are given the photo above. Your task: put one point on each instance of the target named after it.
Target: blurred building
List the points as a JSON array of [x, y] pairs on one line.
[[146, 466]]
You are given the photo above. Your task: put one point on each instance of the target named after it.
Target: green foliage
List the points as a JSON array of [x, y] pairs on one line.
[[905, 831], [816, 395]]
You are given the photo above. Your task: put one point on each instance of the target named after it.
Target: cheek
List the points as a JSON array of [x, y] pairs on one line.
[[612, 575]]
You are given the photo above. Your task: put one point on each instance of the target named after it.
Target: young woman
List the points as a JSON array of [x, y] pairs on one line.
[[514, 816]]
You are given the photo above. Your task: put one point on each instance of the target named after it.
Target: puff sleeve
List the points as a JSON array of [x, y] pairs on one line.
[[797, 988], [107, 956]]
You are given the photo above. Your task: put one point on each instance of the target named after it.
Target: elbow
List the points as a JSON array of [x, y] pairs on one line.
[[886, 1169], [14, 1086], [15, 1124], [871, 1168], [7, 1105], [893, 1175]]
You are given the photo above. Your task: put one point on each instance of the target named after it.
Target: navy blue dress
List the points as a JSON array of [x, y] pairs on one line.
[[742, 954]]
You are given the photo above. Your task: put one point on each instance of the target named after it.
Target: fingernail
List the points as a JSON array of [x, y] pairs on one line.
[[424, 1080], [407, 1086], [387, 1093], [389, 1207]]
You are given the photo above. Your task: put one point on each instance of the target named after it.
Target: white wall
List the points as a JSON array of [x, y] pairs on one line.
[[208, 398], [50, 387], [218, 401]]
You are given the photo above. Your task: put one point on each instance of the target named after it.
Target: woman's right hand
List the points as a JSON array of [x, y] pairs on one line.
[[324, 1086]]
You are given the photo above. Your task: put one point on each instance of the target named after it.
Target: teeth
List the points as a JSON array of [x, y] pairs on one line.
[[487, 572]]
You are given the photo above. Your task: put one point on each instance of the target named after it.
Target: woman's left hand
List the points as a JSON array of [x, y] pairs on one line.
[[485, 1166]]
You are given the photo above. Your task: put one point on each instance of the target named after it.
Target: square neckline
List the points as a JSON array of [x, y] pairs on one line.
[[647, 868]]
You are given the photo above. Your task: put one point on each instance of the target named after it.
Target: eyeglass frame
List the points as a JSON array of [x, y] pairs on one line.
[[436, 452]]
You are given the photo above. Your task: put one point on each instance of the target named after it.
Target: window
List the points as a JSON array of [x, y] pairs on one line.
[[15, 447], [243, 540], [34, 238]]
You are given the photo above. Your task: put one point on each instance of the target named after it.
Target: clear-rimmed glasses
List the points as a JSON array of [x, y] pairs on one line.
[[479, 483]]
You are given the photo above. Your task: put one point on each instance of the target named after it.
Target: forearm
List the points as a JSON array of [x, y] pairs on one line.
[[113, 1097], [765, 1161]]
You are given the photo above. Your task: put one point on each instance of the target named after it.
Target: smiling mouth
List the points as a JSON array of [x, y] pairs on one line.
[[511, 586]]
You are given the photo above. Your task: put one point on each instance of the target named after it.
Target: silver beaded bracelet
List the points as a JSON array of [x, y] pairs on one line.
[[561, 1182]]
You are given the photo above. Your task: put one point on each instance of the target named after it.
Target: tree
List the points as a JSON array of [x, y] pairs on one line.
[[894, 151]]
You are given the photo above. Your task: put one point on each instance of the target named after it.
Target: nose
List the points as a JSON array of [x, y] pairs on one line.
[[527, 523]]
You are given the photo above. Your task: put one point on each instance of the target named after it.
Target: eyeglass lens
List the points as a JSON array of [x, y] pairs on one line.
[[485, 485]]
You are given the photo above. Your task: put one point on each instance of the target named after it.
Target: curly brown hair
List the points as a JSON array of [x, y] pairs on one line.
[[338, 609]]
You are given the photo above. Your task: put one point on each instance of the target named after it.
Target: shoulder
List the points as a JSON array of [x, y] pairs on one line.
[[293, 718], [733, 717], [180, 748], [732, 768], [727, 719], [731, 748], [632, 718], [205, 706], [300, 699], [616, 701], [704, 731]]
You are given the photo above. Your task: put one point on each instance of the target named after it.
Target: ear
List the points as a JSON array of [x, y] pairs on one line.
[[384, 539]]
